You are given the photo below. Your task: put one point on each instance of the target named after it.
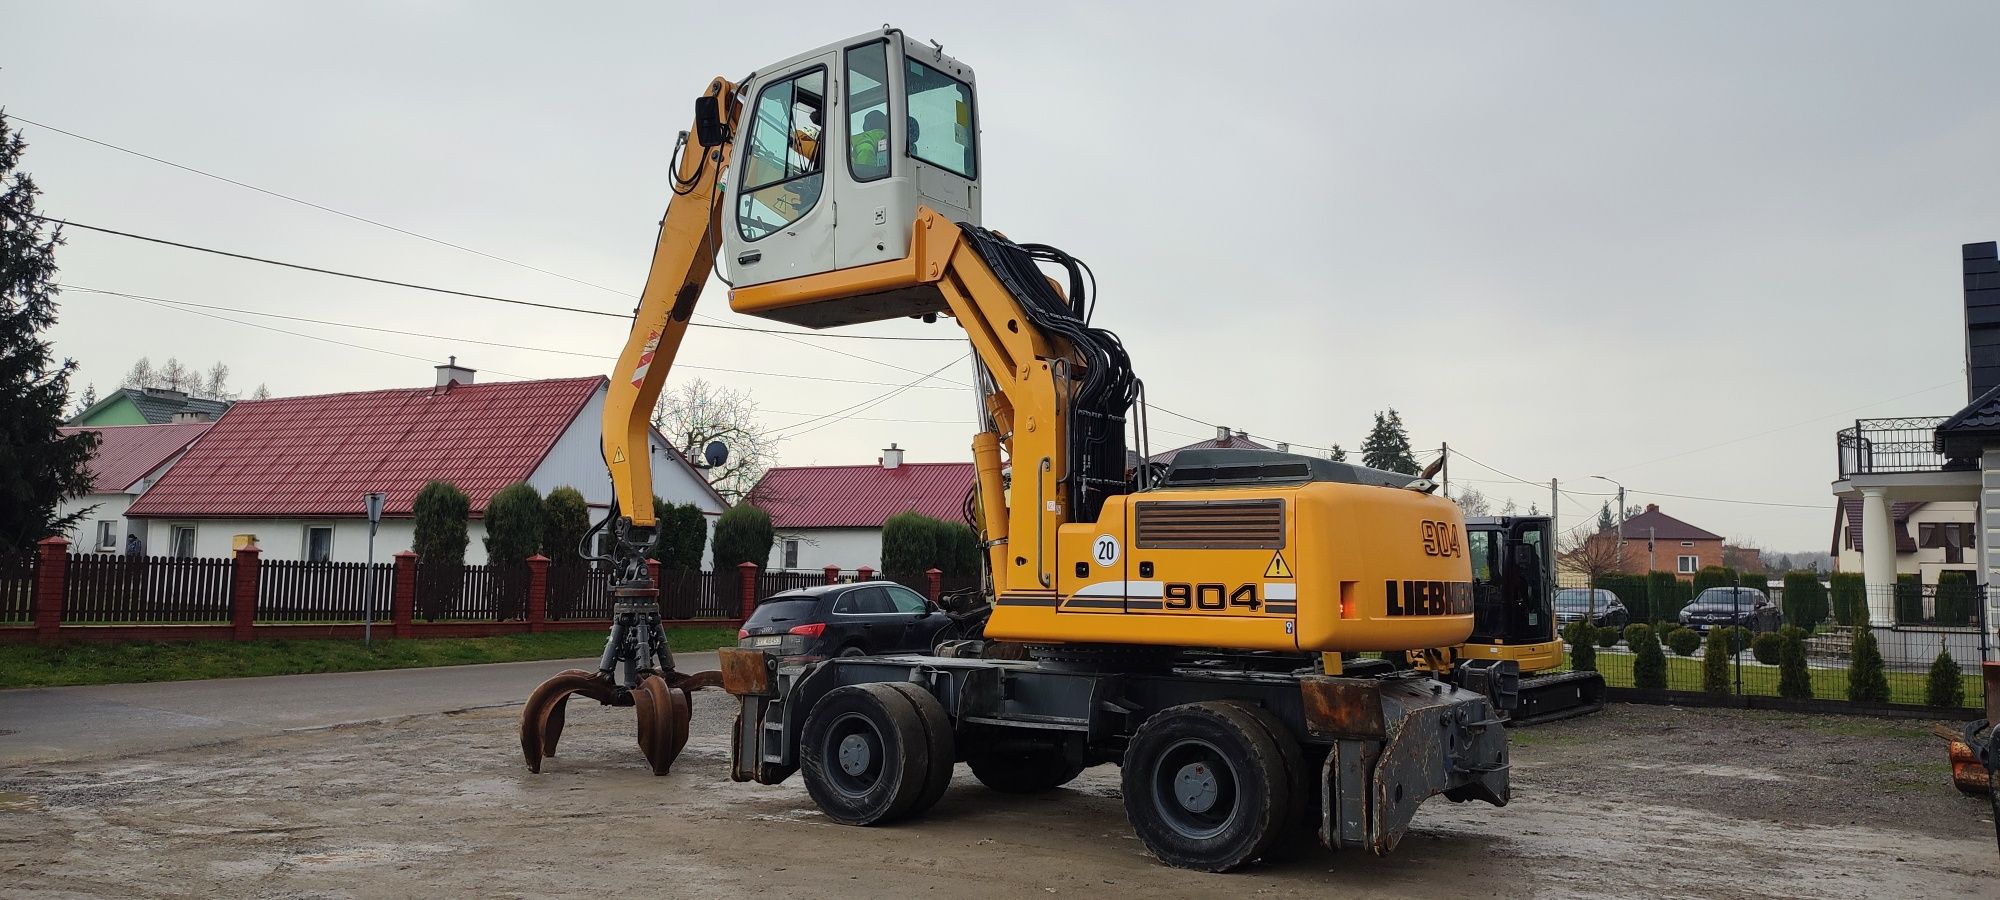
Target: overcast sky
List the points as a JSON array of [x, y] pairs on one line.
[[1677, 246]]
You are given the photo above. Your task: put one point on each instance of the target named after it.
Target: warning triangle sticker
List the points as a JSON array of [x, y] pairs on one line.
[[1277, 568]]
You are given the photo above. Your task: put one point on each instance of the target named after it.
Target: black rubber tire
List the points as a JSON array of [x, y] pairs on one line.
[[852, 650], [1027, 772], [1301, 782], [1222, 742], [939, 758], [888, 728]]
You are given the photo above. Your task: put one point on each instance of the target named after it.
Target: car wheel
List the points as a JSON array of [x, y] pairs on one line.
[[852, 650], [1207, 787], [865, 754]]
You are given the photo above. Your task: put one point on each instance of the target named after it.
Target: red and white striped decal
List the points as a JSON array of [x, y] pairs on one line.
[[646, 358]]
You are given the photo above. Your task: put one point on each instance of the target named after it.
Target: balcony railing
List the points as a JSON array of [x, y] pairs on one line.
[[1887, 446]]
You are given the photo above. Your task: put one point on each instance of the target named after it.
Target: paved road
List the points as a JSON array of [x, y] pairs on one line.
[[67, 723]]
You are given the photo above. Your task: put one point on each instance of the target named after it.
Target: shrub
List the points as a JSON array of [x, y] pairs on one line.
[[679, 536], [1713, 577], [1957, 598], [913, 543], [1683, 641], [1944, 689], [441, 511], [1607, 637], [1665, 595], [515, 529], [1583, 648], [1850, 598], [1757, 580], [565, 520], [1631, 589], [1649, 665], [1767, 646], [1715, 663], [1793, 679], [743, 534], [1866, 682], [1909, 599], [1804, 601], [1579, 633]]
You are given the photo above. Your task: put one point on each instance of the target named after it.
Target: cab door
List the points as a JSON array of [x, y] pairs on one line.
[[779, 205]]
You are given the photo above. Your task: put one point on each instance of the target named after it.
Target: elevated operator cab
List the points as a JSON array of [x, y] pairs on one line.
[[837, 150]]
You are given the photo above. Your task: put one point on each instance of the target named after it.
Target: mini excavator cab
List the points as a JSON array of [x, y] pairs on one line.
[[837, 150]]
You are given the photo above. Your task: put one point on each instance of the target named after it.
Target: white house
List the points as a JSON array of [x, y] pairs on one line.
[[128, 460], [1931, 537], [292, 471], [833, 515]]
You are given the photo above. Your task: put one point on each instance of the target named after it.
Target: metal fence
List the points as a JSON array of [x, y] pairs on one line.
[[1877, 446], [17, 590], [107, 588], [299, 591], [1921, 630]]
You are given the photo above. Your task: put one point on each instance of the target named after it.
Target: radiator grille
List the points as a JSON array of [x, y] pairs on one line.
[[1210, 525]]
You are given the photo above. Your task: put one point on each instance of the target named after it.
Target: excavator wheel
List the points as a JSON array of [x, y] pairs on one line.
[[543, 717]]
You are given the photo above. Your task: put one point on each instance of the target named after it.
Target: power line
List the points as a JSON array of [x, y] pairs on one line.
[[864, 406], [186, 306], [1785, 427]]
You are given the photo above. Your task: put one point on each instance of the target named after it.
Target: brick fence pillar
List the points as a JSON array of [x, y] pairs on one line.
[[746, 577], [866, 573], [832, 574], [653, 571], [934, 578], [403, 594], [538, 592], [51, 574], [243, 593]]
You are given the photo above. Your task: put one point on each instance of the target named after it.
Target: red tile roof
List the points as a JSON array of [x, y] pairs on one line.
[[316, 456], [1656, 524], [1899, 515], [125, 453], [861, 496]]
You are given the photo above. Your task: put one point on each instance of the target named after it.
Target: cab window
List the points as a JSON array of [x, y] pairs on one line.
[[868, 111], [782, 172], [940, 126]]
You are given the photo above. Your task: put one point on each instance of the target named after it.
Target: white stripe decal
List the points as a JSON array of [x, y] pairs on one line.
[[1123, 589], [1280, 591]]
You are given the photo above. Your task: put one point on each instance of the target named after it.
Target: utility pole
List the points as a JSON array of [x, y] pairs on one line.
[[1445, 472]]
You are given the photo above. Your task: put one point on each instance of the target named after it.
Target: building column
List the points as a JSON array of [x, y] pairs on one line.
[[1878, 555]]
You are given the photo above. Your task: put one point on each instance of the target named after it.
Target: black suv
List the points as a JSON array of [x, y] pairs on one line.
[[846, 620]]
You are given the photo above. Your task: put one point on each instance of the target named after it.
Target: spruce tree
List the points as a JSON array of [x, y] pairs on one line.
[[1649, 664], [1604, 520], [1866, 682], [1388, 445], [39, 467], [1794, 680], [1582, 640], [1337, 454], [1944, 690], [1715, 662]]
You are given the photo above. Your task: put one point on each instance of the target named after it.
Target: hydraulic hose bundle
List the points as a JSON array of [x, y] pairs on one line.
[[1101, 398]]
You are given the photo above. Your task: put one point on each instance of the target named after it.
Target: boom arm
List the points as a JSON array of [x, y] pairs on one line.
[[683, 258]]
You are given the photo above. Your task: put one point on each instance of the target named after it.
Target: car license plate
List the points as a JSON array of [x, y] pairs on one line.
[[767, 641]]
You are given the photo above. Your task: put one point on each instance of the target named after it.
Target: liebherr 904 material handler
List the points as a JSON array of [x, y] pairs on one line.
[[1164, 612]]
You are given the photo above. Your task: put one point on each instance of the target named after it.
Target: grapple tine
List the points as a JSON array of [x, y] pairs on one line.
[[543, 716], [663, 722]]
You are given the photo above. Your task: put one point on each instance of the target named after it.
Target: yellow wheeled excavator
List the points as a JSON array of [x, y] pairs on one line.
[[1164, 613]]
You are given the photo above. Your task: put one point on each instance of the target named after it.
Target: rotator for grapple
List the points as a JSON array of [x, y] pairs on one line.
[[636, 669]]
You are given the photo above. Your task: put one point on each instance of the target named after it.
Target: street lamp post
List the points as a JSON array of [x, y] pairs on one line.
[[1621, 518], [375, 502]]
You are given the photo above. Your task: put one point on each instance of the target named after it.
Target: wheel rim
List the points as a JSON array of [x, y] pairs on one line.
[[1195, 789], [855, 747]]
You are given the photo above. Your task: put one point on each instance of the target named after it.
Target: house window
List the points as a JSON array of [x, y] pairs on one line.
[[1951, 537], [1688, 565], [791, 553], [107, 536], [1687, 543], [319, 543], [181, 542]]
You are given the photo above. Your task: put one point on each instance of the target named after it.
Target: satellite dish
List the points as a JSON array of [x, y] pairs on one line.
[[715, 454]]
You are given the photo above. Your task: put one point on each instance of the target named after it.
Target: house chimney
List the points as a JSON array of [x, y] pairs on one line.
[[1982, 318], [452, 371], [1284, 447], [189, 418], [1652, 507], [1242, 435], [892, 457], [1222, 434]]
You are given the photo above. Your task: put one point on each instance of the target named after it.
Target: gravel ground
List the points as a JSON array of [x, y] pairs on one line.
[[1652, 801]]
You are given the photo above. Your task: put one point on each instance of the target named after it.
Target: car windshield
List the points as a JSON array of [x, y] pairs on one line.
[[1579, 599], [782, 609], [1721, 598]]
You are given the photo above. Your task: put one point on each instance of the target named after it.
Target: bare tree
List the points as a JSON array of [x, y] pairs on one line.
[[1473, 503], [176, 377], [695, 412], [261, 393], [140, 375], [215, 386], [1593, 554]]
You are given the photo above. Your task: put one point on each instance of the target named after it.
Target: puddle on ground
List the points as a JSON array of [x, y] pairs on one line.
[[16, 802]]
